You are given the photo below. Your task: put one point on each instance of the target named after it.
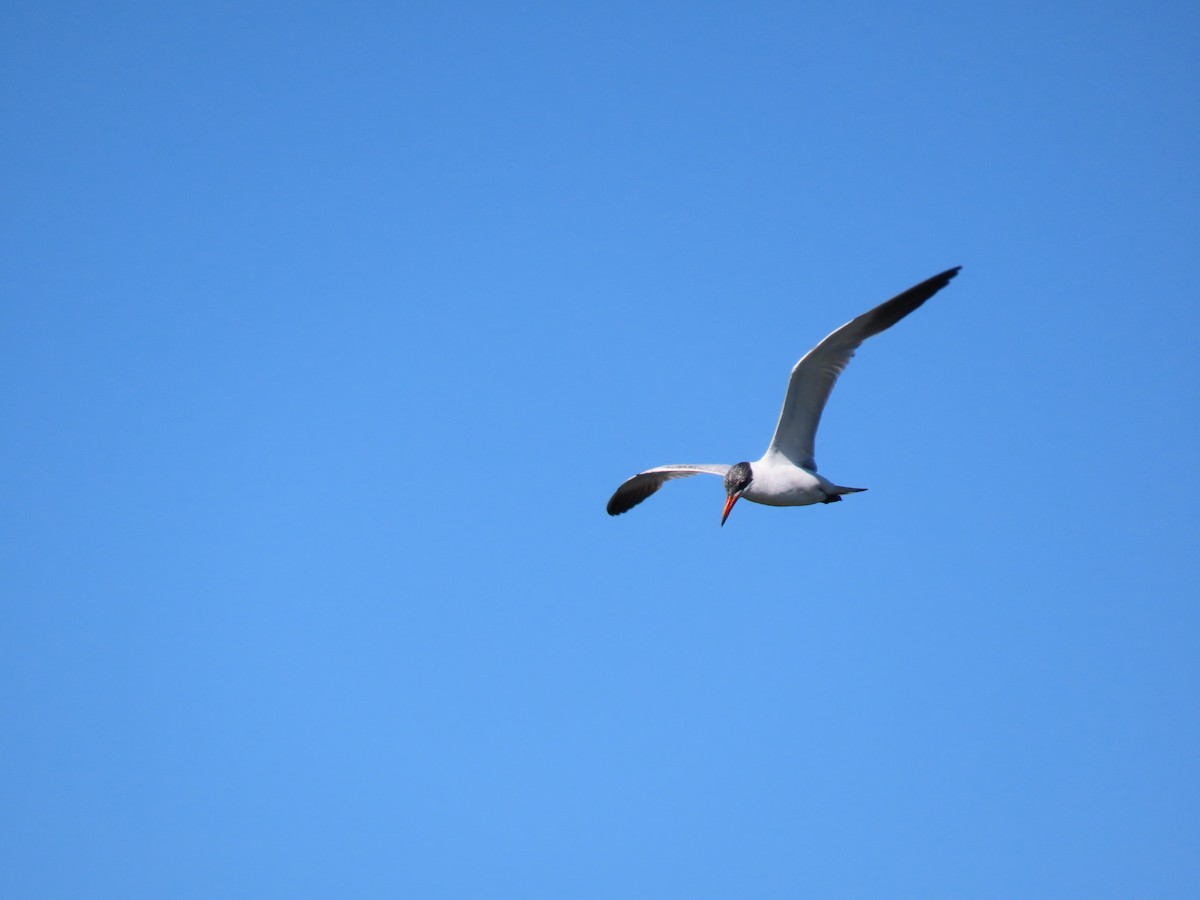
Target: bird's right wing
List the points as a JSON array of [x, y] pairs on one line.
[[643, 484]]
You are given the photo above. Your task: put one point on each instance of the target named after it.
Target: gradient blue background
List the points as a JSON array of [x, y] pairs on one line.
[[329, 329]]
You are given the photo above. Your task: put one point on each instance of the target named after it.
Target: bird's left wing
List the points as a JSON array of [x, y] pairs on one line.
[[643, 484], [815, 375]]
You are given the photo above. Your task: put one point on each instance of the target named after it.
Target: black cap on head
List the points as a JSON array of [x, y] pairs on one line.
[[738, 478]]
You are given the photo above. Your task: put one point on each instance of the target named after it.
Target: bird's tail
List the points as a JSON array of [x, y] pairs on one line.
[[838, 490]]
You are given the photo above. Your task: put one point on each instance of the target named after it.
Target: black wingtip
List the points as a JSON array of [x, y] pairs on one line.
[[888, 314], [942, 279], [628, 496]]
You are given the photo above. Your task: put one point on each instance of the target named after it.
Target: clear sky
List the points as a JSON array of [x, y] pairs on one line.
[[329, 328]]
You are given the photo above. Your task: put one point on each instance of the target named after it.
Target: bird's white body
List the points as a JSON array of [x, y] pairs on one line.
[[779, 482], [786, 475]]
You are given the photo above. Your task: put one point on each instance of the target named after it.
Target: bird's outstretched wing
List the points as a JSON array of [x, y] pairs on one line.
[[643, 484], [815, 375]]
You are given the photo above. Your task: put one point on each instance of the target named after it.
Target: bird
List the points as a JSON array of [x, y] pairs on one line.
[[786, 475]]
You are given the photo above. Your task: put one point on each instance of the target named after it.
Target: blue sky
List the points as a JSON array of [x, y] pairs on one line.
[[330, 328]]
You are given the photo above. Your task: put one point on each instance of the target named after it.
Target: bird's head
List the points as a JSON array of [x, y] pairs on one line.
[[737, 479]]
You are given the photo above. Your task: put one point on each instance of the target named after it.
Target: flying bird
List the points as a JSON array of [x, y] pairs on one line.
[[787, 473]]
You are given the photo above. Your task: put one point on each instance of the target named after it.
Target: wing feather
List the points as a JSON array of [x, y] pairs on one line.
[[643, 484], [815, 375]]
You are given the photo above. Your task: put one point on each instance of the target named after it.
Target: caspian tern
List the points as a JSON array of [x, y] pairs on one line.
[[787, 473]]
